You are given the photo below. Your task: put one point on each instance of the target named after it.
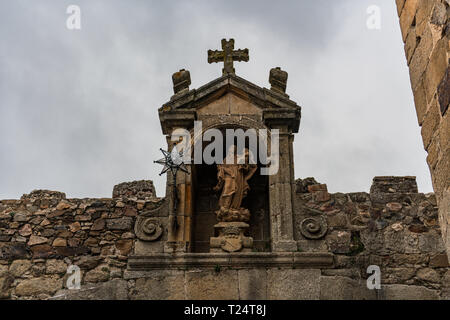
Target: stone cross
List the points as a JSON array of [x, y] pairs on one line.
[[227, 55]]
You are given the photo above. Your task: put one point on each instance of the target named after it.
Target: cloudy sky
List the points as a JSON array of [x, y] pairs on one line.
[[78, 108]]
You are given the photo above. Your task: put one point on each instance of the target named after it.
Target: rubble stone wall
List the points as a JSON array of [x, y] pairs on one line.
[[425, 27], [393, 227]]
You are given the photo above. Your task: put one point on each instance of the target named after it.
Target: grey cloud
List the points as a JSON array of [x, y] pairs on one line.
[[78, 109]]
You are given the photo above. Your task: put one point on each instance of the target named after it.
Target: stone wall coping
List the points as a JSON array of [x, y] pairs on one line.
[[237, 260]]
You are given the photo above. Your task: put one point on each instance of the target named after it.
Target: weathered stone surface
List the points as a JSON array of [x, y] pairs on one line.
[[439, 14], [420, 58], [91, 242], [252, 284], [443, 92], [160, 285], [446, 286], [439, 261], [317, 187], [60, 242], [47, 233], [88, 262], [44, 194], [33, 287], [397, 275], [400, 4], [423, 16], [343, 288], [429, 242], [116, 289], [140, 189], [54, 266], [409, 259], [338, 220], [278, 80], [63, 205], [407, 292], [429, 275], [339, 241], [181, 81], [428, 22], [321, 196], [26, 230], [124, 246], [124, 223], [144, 247], [42, 251], [390, 185], [433, 153], [302, 184], [285, 284], [74, 227], [19, 267], [45, 222], [34, 240], [420, 100], [227, 56], [437, 67], [21, 217], [407, 16], [98, 225], [99, 274], [72, 251], [6, 280], [394, 206], [212, 285]]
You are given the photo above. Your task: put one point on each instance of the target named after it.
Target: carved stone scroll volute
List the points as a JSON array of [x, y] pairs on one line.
[[148, 229], [148, 226], [313, 227]]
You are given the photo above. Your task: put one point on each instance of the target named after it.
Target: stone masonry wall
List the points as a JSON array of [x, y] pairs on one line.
[[393, 226], [43, 233], [425, 28]]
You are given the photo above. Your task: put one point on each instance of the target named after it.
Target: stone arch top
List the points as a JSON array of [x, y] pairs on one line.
[[226, 96]]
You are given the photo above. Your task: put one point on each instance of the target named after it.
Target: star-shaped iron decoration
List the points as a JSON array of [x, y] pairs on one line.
[[172, 161]]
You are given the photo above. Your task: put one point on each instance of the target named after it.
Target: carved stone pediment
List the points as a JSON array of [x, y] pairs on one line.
[[275, 107]]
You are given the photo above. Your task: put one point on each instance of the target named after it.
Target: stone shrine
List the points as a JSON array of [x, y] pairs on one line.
[[230, 102]]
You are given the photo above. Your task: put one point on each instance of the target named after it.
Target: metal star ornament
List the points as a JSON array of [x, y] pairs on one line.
[[172, 161]]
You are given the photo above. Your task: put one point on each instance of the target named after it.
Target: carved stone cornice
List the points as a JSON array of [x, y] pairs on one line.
[[238, 260], [180, 111]]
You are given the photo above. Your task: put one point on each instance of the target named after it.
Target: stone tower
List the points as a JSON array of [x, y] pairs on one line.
[[425, 26]]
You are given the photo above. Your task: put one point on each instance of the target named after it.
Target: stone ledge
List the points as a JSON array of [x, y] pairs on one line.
[[233, 260]]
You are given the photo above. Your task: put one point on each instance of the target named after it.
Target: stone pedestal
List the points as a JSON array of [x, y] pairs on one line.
[[231, 237]]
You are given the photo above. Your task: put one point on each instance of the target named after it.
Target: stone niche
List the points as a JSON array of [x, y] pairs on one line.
[[231, 102], [206, 203]]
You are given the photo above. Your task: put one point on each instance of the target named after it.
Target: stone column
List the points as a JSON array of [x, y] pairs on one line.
[[180, 223], [281, 195]]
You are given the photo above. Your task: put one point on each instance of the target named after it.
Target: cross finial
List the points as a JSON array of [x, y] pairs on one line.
[[227, 55]]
